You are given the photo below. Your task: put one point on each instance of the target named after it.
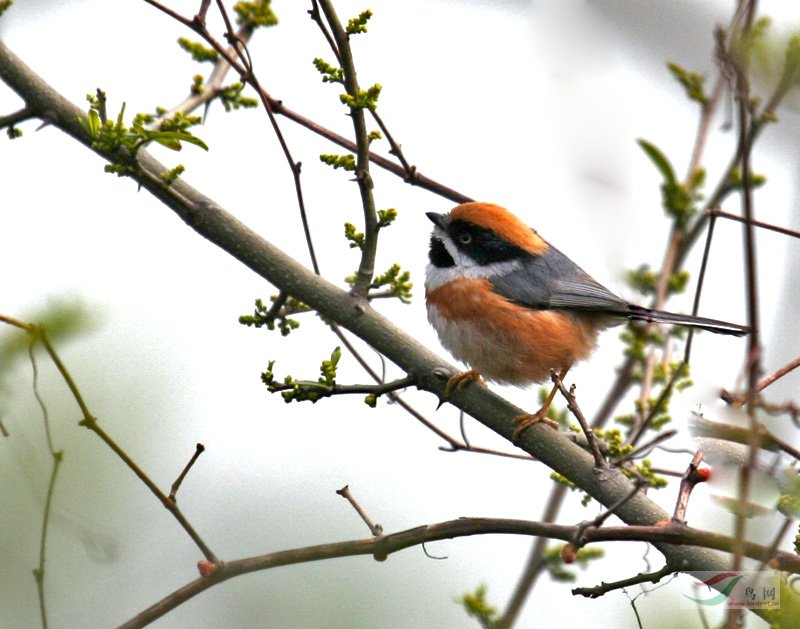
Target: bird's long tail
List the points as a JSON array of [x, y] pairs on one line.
[[639, 313]]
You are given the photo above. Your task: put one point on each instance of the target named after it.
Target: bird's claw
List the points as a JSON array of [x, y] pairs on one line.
[[523, 422], [460, 380]]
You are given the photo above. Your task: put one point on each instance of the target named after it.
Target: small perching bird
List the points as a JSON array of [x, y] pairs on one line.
[[514, 308]]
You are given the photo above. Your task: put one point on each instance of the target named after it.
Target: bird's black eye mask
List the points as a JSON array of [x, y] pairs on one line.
[[483, 245], [438, 255]]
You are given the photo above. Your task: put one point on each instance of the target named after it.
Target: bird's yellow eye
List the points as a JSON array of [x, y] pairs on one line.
[[465, 238]]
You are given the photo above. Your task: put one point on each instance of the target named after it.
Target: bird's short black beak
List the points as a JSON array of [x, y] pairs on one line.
[[438, 219]]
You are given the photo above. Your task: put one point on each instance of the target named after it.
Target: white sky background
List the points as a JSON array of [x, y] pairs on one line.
[[536, 109]]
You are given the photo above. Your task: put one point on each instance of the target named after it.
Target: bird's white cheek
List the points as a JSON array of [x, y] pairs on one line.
[[465, 268], [439, 276]]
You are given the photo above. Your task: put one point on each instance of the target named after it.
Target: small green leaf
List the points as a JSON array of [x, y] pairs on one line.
[[121, 117], [168, 137], [335, 356], [659, 159], [94, 123]]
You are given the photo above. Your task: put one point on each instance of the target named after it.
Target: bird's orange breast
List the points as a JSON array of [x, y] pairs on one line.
[[504, 341]]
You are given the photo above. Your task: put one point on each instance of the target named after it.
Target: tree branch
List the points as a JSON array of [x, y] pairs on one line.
[[603, 588], [463, 527], [369, 250]]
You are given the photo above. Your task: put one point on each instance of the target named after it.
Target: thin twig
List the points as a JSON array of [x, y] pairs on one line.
[[466, 447], [278, 107], [23, 114], [90, 422], [536, 561], [739, 70], [200, 448], [326, 390], [658, 407], [776, 228], [369, 250], [453, 444], [375, 529], [212, 87], [704, 127], [665, 472], [581, 529], [688, 482], [395, 149], [701, 277], [603, 588], [773, 547], [644, 449], [316, 16], [778, 374], [572, 405], [702, 427], [57, 456]]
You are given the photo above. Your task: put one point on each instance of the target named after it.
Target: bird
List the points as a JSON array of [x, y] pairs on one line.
[[514, 308]]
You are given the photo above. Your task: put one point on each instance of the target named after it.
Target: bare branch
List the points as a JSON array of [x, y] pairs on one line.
[[688, 482], [702, 427], [388, 544], [776, 228], [90, 422], [10, 120], [572, 405], [375, 529], [200, 448], [603, 588], [366, 268]]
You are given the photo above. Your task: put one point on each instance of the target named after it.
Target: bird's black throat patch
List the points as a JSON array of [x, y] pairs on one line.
[[438, 255]]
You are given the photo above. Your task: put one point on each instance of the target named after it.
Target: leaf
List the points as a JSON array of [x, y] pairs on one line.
[[94, 122], [121, 117], [170, 138], [173, 145], [335, 356], [659, 160]]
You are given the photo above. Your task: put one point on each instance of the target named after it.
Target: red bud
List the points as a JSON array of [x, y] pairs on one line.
[[569, 552], [703, 474], [206, 568]]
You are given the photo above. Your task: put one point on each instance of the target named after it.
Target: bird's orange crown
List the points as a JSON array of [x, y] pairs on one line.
[[501, 222]]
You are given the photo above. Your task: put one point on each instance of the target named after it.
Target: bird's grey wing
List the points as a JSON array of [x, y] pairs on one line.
[[553, 280], [584, 293]]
